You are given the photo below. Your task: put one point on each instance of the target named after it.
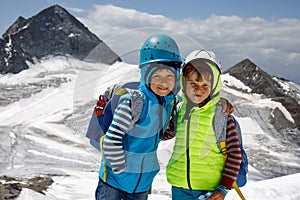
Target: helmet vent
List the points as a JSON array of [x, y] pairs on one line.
[[159, 48]]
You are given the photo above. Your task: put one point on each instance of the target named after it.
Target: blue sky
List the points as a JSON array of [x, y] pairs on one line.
[[269, 9], [265, 31]]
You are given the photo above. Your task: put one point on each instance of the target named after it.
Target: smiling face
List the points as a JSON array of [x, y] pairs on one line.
[[197, 87], [162, 82]]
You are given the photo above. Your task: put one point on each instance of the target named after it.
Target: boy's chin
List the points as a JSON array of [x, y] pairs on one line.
[[196, 101], [163, 93]]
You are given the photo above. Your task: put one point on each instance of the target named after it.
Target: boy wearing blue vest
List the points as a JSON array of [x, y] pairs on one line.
[[129, 163], [197, 169]]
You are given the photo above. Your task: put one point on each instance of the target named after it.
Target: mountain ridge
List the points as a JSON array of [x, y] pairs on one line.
[[261, 82], [53, 31]]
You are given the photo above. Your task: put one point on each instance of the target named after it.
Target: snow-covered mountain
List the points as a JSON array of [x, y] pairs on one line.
[[272, 104], [44, 113], [53, 31]]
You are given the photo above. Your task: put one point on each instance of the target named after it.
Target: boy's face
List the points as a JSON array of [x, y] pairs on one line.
[[162, 82], [197, 89]]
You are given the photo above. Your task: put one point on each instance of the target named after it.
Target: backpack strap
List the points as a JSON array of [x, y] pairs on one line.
[[220, 125], [238, 130], [137, 103], [238, 190]]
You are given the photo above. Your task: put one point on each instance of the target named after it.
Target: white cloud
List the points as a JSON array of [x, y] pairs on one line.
[[273, 45], [108, 20], [77, 10]]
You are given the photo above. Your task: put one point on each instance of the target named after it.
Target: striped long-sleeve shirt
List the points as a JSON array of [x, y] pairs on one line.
[[113, 141], [234, 155]]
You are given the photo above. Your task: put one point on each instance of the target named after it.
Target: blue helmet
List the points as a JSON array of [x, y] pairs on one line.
[[159, 48]]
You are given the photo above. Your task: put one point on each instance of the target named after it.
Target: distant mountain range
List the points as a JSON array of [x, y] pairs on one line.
[[53, 31]]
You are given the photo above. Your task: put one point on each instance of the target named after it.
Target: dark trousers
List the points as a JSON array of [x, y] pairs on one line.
[[107, 192]]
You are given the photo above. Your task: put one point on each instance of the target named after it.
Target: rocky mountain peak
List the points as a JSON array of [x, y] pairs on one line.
[[254, 77], [262, 83], [49, 14], [53, 31], [19, 23]]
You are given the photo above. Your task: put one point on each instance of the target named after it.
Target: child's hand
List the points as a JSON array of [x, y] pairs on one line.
[[170, 132], [226, 105], [217, 195], [119, 169]]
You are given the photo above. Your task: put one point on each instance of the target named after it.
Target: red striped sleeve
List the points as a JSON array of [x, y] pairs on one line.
[[234, 156]]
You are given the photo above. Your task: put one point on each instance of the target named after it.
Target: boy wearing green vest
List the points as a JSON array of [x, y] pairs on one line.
[[196, 169]]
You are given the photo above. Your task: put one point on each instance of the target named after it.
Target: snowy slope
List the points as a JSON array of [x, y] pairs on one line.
[[42, 132]]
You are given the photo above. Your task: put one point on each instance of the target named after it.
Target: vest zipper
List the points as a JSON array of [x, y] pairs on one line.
[[188, 153], [160, 131], [140, 176]]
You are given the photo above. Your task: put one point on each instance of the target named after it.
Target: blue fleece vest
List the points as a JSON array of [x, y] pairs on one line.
[[140, 145]]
